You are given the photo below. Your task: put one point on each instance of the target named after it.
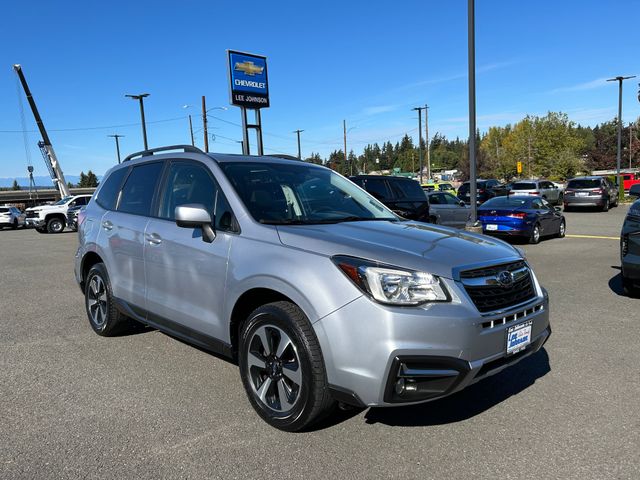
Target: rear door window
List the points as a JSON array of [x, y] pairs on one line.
[[108, 193], [378, 188], [584, 183], [407, 190], [139, 189], [450, 199]]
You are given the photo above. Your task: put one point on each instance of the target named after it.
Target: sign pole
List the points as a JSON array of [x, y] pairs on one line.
[[245, 132], [258, 127]]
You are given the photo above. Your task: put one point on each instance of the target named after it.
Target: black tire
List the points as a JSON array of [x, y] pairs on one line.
[[55, 225], [310, 400], [41, 230], [433, 220], [560, 199], [563, 229], [14, 225], [104, 317], [535, 235], [605, 207]]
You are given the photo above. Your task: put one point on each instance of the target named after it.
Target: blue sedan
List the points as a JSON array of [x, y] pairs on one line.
[[521, 216]]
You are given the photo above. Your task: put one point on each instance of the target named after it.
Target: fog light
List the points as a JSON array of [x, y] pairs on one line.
[[405, 386]]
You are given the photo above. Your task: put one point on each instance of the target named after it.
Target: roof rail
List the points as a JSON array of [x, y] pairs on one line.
[[151, 151], [284, 156]]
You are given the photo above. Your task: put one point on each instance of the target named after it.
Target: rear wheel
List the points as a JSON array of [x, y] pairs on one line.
[[282, 368], [605, 207], [535, 234], [433, 219], [104, 317], [55, 225]]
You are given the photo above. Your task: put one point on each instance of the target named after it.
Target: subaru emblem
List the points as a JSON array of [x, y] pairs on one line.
[[505, 278]]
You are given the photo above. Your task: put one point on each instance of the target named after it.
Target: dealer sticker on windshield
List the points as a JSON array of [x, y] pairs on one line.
[[518, 337], [492, 227]]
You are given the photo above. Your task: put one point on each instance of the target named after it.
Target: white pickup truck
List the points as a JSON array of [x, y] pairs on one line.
[[53, 218]]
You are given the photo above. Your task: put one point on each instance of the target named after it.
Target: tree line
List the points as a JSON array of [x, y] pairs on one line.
[[550, 146]]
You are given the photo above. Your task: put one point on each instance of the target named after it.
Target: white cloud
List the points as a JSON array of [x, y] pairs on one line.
[[597, 83], [375, 110]]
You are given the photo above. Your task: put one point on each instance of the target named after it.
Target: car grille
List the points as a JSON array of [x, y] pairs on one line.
[[32, 214], [489, 295]]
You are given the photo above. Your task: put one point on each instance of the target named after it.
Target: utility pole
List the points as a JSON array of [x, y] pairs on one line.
[[419, 110], [299, 153], [426, 134], [116, 136], [619, 79], [630, 143], [141, 98], [204, 124], [193, 142], [471, 39]]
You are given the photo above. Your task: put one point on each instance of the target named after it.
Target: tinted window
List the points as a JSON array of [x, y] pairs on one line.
[[505, 202], [138, 190], [108, 193], [187, 183], [434, 199], [80, 201], [523, 186], [4, 210], [378, 188], [450, 199], [406, 189], [584, 183], [537, 204]]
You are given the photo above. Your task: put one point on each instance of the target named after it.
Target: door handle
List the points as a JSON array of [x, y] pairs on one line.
[[154, 239], [107, 225]]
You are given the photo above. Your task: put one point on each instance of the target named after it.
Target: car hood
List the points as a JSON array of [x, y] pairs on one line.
[[414, 245], [44, 207]]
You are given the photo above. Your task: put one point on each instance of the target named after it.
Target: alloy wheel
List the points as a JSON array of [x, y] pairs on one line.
[[274, 369], [97, 301]]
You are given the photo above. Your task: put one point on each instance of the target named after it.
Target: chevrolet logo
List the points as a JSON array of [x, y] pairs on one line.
[[248, 68]]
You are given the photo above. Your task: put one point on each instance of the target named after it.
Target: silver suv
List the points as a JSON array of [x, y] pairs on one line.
[[318, 291]]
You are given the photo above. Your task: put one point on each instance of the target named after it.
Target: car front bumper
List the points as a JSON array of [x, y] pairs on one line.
[[34, 222], [442, 348]]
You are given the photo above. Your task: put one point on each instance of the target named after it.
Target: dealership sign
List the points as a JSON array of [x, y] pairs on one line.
[[249, 86]]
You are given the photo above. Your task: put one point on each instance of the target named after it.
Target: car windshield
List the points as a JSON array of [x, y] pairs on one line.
[[523, 186], [63, 201], [584, 183], [289, 194], [506, 202]]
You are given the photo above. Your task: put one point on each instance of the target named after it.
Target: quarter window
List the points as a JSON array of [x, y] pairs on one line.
[[139, 188], [108, 193], [378, 188]]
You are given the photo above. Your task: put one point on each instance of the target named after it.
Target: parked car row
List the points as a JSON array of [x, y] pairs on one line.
[[11, 217]]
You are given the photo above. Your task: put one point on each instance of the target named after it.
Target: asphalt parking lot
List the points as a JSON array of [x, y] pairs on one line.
[[75, 405]]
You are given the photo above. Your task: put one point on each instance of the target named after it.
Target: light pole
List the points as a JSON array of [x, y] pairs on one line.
[[193, 143], [299, 153], [346, 158], [116, 136], [471, 39], [204, 122], [419, 110], [141, 98], [619, 79]]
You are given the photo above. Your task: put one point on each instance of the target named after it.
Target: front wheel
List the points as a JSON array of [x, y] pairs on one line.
[[14, 225], [41, 229], [282, 368], [535, 234], [55, 225], [562, 230]]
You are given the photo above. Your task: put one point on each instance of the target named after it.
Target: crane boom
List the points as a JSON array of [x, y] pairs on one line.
[[49, 155]]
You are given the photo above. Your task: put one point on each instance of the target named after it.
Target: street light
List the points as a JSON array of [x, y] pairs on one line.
[[419, 110], [193, 142], [140, 98], [344, 126], [619, 79], [471, 44], [116, 136], [299, 153]]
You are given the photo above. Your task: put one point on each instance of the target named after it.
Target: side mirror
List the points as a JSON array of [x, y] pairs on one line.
[[635, 190], [462, 204], [557, 209], [194, 215]]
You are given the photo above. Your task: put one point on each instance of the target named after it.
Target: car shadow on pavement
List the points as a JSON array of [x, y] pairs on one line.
[[615, 283], [471, 401]]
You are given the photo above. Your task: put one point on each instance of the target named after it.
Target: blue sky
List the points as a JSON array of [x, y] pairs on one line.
[[366, 62]]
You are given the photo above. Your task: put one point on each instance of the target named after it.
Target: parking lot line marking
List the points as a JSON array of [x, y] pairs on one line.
[[593, 236]]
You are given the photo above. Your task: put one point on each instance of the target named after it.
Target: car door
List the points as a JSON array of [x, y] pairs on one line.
[[543, 216], [436, 209], [554, 217], [122, 234], [186, 276], [459, 210]]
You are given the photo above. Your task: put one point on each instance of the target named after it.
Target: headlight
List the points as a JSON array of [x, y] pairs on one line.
[[392, 285]]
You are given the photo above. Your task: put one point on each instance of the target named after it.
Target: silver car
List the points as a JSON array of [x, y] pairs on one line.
[[447, 209], [318, 291], [542, 188], [11, 216]]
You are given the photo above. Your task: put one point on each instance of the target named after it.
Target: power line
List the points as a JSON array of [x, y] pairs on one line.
[[98, 128]]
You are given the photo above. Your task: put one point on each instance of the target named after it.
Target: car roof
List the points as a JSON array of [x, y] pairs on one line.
[[591, 177], [236, 158], [387, 177]]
